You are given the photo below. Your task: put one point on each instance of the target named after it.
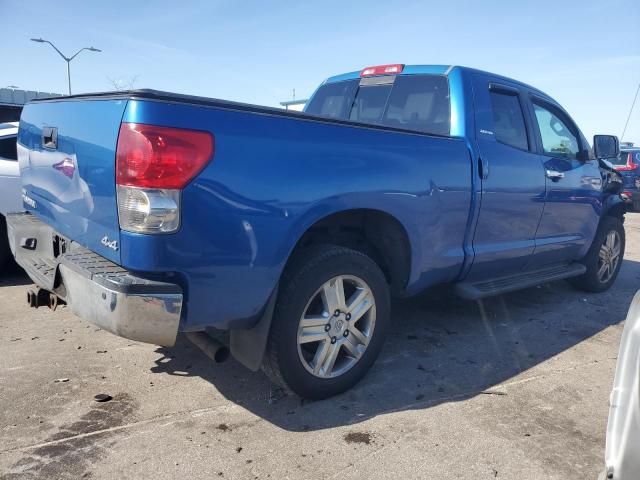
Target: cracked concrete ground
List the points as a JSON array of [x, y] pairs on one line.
[[515, 387]]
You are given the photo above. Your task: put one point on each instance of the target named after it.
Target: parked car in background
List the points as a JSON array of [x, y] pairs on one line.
[[152, 213], [622, 453], [628, 164], [10, 200]]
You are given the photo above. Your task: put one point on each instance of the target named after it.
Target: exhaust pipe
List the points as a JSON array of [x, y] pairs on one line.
[[212, 348], [38, 298]]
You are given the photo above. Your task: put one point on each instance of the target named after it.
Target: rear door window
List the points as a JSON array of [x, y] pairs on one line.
[[508, 120], [410, 102]]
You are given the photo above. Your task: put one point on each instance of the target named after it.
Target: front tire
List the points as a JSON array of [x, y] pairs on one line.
[[604, 259], [330, 322]]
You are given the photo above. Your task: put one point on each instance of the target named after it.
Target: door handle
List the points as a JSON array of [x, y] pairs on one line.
[[50, 137], [483, 168], [554, 175]]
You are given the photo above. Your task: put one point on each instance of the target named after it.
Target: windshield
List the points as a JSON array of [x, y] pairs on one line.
[[412, 102]]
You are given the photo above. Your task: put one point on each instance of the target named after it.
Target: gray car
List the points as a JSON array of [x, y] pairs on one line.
[[10, 199], [622, 453]]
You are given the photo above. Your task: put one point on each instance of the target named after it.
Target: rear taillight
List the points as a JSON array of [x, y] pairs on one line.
[[630, 165], [153, 165], [382, 70], [160, 157]]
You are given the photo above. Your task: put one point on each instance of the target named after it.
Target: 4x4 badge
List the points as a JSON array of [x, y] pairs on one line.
[[112, 244]]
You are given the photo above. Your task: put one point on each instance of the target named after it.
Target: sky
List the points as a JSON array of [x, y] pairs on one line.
[[585, 54]]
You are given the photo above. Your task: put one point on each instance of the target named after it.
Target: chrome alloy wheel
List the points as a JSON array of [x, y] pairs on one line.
[[609, 256], [336, 326]]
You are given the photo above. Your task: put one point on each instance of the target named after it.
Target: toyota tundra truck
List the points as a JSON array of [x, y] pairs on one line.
[[153, 214]]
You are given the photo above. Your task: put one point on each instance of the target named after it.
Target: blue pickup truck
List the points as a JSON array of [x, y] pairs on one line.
[[151, 214]]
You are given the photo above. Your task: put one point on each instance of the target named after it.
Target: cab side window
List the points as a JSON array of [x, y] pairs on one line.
[[558, 139], [508, 120]]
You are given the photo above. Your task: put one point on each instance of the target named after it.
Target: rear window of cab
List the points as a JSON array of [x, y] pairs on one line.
[[410, 102]]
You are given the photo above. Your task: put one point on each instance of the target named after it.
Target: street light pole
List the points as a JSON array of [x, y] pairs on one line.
[[66, 59]]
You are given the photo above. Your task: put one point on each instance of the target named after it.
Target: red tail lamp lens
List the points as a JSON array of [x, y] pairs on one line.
[[150, 156]]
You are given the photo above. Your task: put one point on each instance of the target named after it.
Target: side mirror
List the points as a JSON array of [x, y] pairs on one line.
[[606, 146]]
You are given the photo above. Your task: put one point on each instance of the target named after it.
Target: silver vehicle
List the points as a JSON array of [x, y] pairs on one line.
[[10, 199], [622, 454]]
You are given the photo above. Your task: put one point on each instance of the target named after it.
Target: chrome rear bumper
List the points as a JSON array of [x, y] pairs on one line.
[[95, 288], [150, 317]]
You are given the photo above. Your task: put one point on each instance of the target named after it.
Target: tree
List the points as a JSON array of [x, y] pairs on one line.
[[121, 84]]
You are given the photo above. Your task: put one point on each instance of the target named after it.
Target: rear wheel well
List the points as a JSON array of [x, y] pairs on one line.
[[372, 232]]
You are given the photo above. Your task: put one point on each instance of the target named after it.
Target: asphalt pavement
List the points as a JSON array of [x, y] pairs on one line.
[[513, 387]]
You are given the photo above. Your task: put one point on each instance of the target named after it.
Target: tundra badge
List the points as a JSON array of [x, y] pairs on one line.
[[28, 200], [112, 244]]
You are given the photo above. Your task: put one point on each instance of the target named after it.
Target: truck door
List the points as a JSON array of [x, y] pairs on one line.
[[512, 180], [574, 186]]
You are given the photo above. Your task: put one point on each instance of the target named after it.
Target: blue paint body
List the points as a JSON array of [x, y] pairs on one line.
[[275, 174]]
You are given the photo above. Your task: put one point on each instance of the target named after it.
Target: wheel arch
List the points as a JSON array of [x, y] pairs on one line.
[[614, 206], [374, 232], [248, 345]]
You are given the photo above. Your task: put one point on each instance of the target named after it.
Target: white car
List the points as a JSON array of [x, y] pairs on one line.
[[10, 199], [622, 453]]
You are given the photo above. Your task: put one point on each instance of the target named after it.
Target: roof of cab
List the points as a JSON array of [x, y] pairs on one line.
[[408, 70], [439, 70]]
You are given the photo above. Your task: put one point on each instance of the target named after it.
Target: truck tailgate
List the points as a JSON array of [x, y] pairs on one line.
[[66, 153]]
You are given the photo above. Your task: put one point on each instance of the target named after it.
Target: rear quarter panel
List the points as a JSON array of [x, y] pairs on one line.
[[274, 176]]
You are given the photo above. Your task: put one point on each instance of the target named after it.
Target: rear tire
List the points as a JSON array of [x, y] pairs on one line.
[[604, 258], [323, 342]]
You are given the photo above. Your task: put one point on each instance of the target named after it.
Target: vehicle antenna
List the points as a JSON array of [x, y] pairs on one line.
[[630, 111]]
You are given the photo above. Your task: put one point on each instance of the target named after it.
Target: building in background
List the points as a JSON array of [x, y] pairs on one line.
[[297, 105], [12, 100]]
